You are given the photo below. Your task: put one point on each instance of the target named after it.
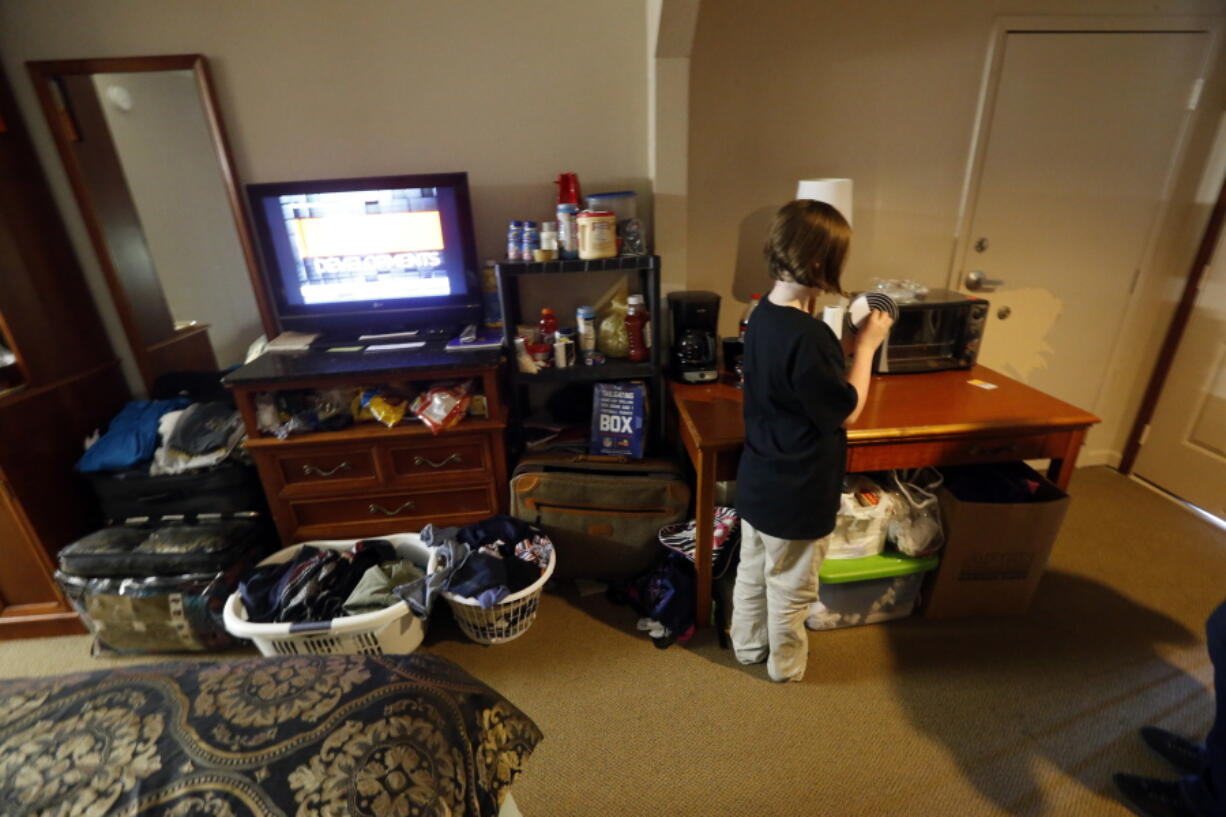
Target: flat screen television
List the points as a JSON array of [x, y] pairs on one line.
[[386, 254]]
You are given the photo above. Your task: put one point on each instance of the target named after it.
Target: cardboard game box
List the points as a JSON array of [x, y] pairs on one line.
[[619, 419]]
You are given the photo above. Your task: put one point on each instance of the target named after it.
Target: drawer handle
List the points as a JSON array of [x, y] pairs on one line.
[[408, 505], [308, 470], [992, 451], [420, 461]]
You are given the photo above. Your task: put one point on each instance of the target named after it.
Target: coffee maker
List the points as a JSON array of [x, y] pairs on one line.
[[695, 328]]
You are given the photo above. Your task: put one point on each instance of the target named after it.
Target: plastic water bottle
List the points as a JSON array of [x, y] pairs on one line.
[[568, 231], [531, 241], [515, 240], [753, 303], [638, 329]]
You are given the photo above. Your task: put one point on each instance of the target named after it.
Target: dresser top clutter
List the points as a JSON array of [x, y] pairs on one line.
[[313, 364]]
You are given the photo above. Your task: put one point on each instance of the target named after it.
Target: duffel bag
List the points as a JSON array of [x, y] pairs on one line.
[[603, 514]]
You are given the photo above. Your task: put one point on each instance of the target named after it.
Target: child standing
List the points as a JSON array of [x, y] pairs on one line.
[[797, 401]]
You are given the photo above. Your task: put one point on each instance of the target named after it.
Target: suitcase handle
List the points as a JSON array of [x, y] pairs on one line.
[[159, 497], [600, 458]]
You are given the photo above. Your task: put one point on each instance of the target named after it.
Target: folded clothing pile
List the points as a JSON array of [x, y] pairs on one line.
[[486, 561], [200, 436]]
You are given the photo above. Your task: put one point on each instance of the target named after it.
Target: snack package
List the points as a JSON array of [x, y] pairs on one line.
[[442, 406], [388, 409]]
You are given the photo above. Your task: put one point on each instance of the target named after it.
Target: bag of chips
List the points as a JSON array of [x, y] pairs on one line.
[[442, 406]]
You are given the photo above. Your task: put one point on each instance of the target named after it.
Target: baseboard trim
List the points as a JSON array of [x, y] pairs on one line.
[[1195, 510]]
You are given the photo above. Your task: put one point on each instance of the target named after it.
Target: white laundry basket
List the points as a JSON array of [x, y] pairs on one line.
[[392, 630], [506, 620]]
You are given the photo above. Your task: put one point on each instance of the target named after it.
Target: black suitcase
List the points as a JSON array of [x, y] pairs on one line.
[[225, 489], [160, 586]]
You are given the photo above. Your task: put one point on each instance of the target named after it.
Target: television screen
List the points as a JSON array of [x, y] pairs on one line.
[[390, 246]]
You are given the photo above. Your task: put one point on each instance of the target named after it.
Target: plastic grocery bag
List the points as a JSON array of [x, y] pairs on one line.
[[860, 526], [915, 526], [612, 339]]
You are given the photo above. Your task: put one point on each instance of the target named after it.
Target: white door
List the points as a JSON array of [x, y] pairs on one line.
[[1185, 449], [1079, 142]]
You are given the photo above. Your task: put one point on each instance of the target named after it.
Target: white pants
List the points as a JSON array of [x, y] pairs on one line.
[[775, 584]]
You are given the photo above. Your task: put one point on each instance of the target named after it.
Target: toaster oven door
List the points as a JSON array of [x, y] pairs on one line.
[[925, 339]]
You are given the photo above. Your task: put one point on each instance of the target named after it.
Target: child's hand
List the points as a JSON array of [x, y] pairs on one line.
[[876, 326]]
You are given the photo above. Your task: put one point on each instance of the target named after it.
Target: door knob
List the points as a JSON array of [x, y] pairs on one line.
[[976, 281]]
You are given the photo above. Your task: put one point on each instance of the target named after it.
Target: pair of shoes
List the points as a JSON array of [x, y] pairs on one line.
[[1183, 754], [1152, 798]]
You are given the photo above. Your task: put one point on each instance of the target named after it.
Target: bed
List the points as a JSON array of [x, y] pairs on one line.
[[296, 735]]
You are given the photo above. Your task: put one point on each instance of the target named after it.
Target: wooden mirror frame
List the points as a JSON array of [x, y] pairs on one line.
[[183, 349]]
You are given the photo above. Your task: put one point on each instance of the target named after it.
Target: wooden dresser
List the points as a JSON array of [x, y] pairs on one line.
[[369, 480]]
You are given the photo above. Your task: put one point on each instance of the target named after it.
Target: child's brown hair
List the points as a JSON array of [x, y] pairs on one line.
[[808, 245]]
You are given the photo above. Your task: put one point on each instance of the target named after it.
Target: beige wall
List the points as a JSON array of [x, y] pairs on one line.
[[513, 93], [884, 93]]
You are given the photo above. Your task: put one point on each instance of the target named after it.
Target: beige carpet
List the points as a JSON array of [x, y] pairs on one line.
[[1023, 716]]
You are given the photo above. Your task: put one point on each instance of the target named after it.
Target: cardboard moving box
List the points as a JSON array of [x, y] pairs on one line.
[[995, 552]]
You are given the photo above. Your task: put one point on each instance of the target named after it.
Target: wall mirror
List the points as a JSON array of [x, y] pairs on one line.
[[143, 146]]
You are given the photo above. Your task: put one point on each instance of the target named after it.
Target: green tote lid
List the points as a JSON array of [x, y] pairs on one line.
[[882, 566]]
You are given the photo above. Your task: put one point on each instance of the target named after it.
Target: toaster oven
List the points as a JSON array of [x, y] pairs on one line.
[[941, 330]]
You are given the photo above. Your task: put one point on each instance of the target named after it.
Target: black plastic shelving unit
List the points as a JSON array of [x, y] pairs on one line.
[[648, 269]]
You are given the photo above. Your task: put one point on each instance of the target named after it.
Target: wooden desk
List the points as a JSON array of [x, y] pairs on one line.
[[911, 420]]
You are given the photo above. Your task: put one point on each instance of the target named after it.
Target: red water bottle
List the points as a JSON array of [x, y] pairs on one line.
[[548, 327], [753, 303], [638, 329]]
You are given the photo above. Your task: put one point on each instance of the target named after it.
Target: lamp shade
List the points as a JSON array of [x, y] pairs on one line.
[[835, 192]]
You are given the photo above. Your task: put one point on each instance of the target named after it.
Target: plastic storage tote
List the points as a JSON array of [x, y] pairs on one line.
[[867, 590]]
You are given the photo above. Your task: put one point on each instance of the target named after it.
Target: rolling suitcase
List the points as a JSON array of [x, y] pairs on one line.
[[603, 514]]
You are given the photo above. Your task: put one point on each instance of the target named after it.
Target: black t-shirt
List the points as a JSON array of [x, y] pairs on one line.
[[796, 399]]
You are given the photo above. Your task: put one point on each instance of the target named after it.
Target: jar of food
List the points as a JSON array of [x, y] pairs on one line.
[[597, 234]]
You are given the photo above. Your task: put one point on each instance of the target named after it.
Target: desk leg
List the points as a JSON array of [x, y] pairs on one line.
[[1061, 469], [704, 510]]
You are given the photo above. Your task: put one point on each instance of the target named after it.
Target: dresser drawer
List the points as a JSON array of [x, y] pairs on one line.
[[444, 458], [331, 468], [385, 512]]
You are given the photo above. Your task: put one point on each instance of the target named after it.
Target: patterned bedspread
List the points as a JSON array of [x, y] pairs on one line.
[[302, 735]]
